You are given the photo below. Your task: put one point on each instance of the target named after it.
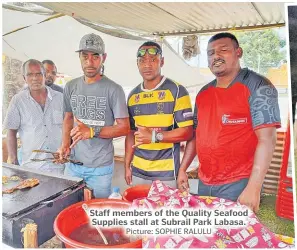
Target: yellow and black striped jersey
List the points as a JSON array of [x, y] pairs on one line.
[[164, 108]]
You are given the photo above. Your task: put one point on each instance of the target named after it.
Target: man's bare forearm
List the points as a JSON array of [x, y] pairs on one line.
[[129, 151], [262, 160], [178, 135], [12, 146], [120, 129], [189, 154], [67, 126]]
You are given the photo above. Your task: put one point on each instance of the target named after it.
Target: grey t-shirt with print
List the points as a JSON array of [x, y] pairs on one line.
[[96, 104]]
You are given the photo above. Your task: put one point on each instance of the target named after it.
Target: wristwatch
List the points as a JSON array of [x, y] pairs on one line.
[[159, 137], [97, 130]]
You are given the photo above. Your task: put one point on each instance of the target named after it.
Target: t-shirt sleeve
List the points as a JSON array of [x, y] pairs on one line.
[[264, 107], [131, 118], [195, 117], [118, 103], [183, 113], [13, 115], [67, 99]]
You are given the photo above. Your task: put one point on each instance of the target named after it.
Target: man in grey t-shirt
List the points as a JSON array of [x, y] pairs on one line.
[[93, 103]]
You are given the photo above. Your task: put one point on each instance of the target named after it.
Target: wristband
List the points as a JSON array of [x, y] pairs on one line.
[[153, 140], [91, 132]]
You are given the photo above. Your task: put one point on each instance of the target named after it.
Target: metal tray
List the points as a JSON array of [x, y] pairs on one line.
[[50, 186]]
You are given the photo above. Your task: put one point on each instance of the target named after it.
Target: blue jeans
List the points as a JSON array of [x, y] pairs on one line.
[[230, 191], [99, 179]]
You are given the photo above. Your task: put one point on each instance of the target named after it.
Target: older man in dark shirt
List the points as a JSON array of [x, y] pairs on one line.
[[51, 75]]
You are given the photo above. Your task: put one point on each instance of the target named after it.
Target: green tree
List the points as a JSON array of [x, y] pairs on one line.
[[261, 49]]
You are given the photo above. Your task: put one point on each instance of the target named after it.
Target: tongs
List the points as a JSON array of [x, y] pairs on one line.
[[56, 157]]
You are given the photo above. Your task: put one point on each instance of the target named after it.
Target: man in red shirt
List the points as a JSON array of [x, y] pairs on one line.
[[235, 121]]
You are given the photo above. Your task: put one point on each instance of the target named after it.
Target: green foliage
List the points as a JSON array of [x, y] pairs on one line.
[[261, 49], [282, 43]]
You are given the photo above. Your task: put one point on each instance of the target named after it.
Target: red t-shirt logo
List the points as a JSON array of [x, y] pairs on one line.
[[235, 121]]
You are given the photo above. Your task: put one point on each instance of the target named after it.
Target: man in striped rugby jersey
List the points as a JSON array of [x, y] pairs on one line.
[[160, 118]]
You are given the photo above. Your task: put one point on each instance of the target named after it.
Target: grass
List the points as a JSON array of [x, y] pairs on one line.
[[267, 216], [267, 213]]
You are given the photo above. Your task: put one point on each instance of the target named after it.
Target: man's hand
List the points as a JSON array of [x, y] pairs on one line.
[[251, 198], [182, 181], [80, 132], [143, 135], [128, 176], [13, 161], [63, 152]]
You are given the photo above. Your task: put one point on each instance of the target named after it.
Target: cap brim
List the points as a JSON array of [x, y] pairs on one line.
[[90, 50]]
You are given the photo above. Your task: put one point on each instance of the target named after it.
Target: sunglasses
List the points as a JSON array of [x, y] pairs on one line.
[[150, 51]]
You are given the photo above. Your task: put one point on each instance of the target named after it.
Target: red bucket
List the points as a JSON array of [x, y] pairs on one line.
[[136, 192], [74, 217]]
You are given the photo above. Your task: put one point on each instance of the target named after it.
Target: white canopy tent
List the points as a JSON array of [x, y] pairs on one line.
[[174, 18], [58, 40]]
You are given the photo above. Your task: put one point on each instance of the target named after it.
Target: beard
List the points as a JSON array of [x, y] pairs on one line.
[[91, 73], [49, 81]]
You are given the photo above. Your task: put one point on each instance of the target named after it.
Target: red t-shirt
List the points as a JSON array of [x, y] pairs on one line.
[[226, 119]]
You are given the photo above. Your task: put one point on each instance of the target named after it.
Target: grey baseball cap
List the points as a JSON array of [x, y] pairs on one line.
[[92, 42]]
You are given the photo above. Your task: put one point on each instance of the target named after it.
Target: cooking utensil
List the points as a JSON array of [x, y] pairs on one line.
[[86, 208], [56, 157]]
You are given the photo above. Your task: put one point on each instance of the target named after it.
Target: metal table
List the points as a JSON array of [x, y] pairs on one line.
[[40, 204]]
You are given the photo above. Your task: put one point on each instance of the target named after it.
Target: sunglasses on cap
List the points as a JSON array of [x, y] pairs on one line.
[[150, 51]]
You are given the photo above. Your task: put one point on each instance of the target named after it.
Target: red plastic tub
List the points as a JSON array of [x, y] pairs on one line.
[[136, 192], [74, 216]]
